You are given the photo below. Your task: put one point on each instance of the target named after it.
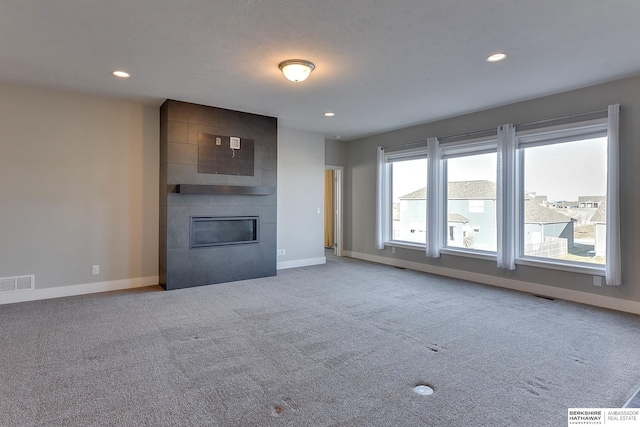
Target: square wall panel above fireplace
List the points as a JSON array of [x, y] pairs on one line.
[[230, 186]]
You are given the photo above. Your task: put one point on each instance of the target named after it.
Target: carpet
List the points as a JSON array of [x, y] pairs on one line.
[[341, 344]]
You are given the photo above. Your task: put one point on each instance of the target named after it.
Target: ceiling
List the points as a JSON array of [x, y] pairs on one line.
[[380, 65]]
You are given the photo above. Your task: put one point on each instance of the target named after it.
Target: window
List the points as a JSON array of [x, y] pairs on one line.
[[562, 171], [470, 176], [528, 196], [409, 199]]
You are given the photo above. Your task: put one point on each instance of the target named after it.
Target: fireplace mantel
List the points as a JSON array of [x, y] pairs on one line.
[[244, 190]]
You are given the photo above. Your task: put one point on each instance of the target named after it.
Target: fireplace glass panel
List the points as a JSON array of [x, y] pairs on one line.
[[217, 231]]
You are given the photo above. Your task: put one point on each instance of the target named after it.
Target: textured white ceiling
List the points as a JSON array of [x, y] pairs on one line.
[[380, 65]]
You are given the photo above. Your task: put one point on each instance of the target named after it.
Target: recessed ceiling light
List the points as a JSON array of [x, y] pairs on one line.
[[423, 390], [496, 57], [121, 74], [329, 114]]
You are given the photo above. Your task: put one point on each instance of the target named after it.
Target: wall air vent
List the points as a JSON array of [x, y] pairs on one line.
[[17, 283]]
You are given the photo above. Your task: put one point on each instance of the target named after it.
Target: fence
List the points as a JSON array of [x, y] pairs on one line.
[[552, 247]]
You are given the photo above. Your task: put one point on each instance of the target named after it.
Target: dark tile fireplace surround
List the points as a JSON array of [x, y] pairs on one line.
[[229, 194]]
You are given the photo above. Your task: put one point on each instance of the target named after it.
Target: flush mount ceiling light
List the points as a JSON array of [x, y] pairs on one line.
[[296, 70], [496, 57], [121, 74], [329, 114]]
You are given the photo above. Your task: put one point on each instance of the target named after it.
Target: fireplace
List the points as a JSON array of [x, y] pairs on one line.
[[216, 224], [219, 231]]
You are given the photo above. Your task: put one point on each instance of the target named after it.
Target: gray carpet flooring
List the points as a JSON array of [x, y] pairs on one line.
[[341, 344]]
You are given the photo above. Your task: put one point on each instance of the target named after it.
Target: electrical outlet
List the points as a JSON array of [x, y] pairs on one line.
[[96, 270], [597, 280], [393, 249]]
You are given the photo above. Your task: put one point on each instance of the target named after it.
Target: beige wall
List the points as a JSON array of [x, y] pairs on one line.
[[79, 186], [360, 191]]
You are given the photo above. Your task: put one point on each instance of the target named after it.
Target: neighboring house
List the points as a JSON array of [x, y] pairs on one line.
[[545, 228], [562, 204], [396, 211], [412, 217], [538, 200], [457, 227], [472, 205], [590, 201], [471, 218], [599, 218]]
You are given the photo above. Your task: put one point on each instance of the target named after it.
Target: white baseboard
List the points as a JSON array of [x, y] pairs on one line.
[[301, 263], [518, 285], [67, 291]]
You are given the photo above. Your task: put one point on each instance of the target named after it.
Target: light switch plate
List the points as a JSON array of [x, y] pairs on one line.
[[218, 141], [234, 143]]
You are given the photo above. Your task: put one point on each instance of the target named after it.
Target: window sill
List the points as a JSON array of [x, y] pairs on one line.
[[595, 270], [484, 255], [406, 245]]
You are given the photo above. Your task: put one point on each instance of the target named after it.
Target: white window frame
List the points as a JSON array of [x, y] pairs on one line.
[[550, 135], [464, 148], [390, 158]]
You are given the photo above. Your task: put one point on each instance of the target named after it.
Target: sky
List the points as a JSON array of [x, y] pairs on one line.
[[559, 171], [566, 171]]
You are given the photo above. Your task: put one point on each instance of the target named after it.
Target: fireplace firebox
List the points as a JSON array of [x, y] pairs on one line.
[[219, 231]]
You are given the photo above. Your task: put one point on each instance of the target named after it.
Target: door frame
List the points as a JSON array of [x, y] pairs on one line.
[[338, 191]]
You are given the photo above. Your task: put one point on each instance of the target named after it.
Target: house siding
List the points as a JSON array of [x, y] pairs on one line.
[[486, 237]]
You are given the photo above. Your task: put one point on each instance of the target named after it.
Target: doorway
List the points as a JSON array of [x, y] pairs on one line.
[[333, 208]]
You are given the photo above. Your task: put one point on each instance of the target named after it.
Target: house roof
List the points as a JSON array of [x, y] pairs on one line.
[[565, 204], [420, 194], [455, 217], [538, 200], [226, 54], [536, 214], [471, 190], [600, 215], [586, 199], [461, 190], [480, 190]]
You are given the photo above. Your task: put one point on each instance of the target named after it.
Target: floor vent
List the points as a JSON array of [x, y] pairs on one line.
[[17, 283]]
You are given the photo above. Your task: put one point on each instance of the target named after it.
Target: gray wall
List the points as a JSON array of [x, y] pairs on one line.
[[335, 152], [79, 179], [300, 195], [360, 178]]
